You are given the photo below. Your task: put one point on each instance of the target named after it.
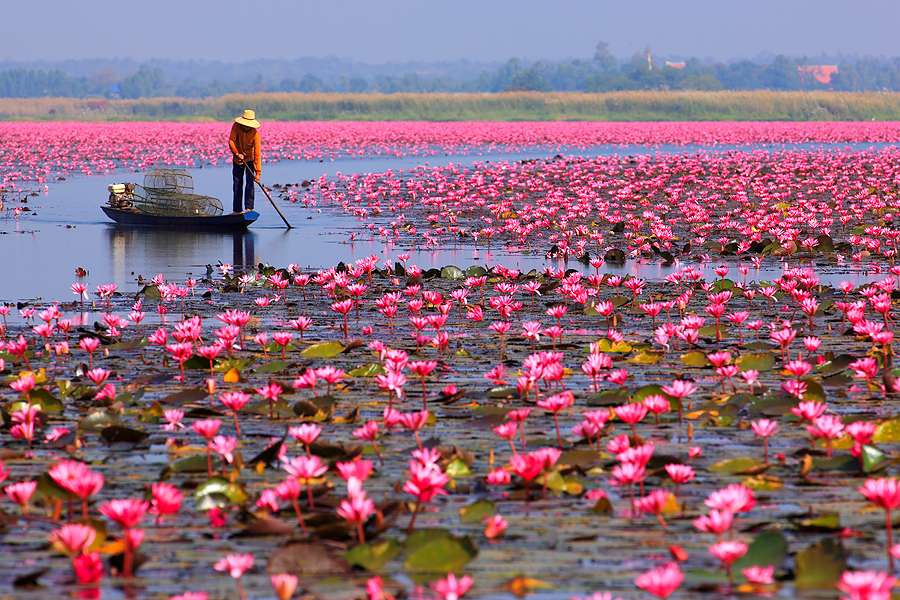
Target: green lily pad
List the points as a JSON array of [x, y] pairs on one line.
[[477, 511], [214, 492], [757, 362], [823, 523], [323, 350], [99, 419], [190, 464], [458, 468], [710, 331], [438, 551], [647, 357], [887, 432], [475, 271], [369, 370], [695, 359], [767, 549], [737, 466], [47, 401], [276, 366], [873, 459], [820, 565], [373, 556], [619, 347], [451, 272]]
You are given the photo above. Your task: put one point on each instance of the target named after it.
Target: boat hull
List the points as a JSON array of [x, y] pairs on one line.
[[133, 218]]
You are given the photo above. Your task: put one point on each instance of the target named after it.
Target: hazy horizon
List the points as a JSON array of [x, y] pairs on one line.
[[404, 31]]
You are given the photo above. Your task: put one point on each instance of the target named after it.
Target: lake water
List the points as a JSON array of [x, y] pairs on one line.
[[66, 230]]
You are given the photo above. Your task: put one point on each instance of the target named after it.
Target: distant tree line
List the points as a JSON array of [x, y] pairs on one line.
[[602, 73]]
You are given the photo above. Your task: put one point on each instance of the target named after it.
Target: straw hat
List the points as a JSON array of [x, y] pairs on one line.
[[248, 119]]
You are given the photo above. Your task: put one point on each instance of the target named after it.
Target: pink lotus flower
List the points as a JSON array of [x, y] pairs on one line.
[[74, 538], [88, 568], [451, 588], [759, 575], [356, 510], [867, 585], [734, 498], [661, 582], [884, 493]]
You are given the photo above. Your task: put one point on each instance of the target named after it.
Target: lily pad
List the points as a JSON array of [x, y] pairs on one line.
[[738, 466], [323, 350], [695, 359], [369, 370], [477, 511], [767, 549], [820, 565], [438, 551], [373, 556], [887, 432], [452, 272], [275, 366], [756, 362], [216, 491]]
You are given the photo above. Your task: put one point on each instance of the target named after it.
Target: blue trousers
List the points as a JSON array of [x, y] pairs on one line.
[[238, 172]]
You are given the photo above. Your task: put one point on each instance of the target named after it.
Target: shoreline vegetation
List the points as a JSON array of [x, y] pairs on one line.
[[508, 106]]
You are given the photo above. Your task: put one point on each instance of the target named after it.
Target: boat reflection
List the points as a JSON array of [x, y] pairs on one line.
[[146, 252]]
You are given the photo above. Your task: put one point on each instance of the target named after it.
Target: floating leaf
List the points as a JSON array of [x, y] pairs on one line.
[[744, 465], [647, 357], [369, 370], [769, 548], [756, 362], [887, 432], [373, 556], [710, 331], [451, 272], [307, 558], [506, 391], [458, 468], [821, 524], [872, 459], [820, 566], [438, 551], [191, 464], [115, 434], [323, 350], [99, 420], [475, 271], [477, 511], [845, 463], [186, 397], [232, 376], [47, 401], [694, 359], [619, 347], [276, 366], [218, 489]]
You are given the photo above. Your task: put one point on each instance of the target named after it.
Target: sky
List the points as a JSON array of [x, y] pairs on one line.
[[380, 31]]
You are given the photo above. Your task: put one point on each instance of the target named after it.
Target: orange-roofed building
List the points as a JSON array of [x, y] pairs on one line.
[[821, 73]]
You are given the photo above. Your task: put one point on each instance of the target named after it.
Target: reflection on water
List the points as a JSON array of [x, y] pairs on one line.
[[143, 251]]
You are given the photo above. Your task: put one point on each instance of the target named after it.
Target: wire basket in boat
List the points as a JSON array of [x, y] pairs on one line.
[[169, 192]]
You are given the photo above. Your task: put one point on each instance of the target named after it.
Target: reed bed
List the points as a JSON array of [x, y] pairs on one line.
[[511, 106]]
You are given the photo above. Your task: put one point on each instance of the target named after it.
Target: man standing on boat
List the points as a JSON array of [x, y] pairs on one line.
[[244, 144]]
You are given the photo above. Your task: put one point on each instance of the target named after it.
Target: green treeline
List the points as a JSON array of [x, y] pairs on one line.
[[601, 73], [505, 106]]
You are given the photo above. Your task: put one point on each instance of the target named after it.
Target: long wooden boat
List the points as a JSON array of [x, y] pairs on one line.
[[136, 218]]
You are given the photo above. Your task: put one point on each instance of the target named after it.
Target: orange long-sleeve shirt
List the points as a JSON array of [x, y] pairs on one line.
[[246, 144]]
